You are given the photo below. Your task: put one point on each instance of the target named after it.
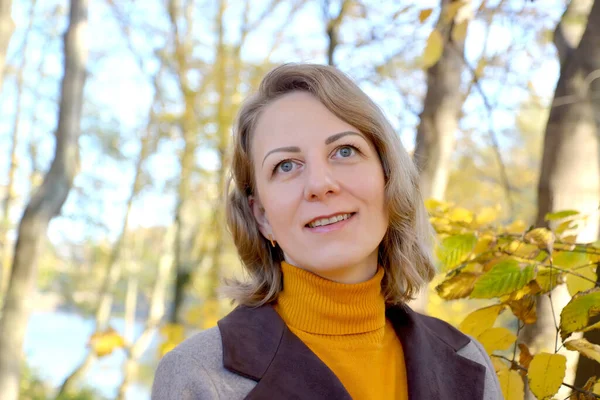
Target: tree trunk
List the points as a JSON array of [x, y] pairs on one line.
[[189, 127], [590, 47], [333, 27], [111, 277], [570, 171], [45, 203], [439, 118], [439, 121], [5, 222], [7, 27], [155, 314]]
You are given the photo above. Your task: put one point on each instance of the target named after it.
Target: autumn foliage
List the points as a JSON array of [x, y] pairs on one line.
[[510, 266]]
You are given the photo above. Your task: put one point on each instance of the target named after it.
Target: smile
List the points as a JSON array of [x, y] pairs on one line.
[[329, 221]]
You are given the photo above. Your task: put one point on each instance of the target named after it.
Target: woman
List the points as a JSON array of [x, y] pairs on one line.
[[328, 220]]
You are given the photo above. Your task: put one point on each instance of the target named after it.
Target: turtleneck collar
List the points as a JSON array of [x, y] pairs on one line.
[[316, 305]]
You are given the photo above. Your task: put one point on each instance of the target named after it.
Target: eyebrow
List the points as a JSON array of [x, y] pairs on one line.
[[296, 149]]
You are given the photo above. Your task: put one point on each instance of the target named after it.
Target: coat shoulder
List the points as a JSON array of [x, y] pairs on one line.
[[467, 347], [194, 370]]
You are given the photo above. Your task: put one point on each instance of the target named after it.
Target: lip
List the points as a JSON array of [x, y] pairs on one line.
[[333, 227]]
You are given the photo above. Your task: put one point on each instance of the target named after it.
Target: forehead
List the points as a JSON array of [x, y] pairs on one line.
[[295, 119]]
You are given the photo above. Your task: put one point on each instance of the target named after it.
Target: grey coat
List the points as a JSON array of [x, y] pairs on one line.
[[253, 355]]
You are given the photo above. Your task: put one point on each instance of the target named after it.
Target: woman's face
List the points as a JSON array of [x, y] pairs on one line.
[[319, 189]]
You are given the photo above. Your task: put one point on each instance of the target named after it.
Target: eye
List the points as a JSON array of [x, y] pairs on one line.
[[345, 151], [284, 166]]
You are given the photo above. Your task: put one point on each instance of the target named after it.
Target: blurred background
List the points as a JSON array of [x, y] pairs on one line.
[[131, 265]]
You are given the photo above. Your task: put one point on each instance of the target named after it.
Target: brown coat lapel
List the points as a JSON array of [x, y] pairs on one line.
[[258, 345]]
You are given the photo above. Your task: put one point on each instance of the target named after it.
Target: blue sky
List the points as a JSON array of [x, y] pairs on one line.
[[120, 92]]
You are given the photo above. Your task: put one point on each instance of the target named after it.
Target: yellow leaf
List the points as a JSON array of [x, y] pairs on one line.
[[459, 31], [457, 287], [483, 244], [212, 310], [522, 250], [441, 225], [436, 205], [511, 385], [541, 237], [516, 227], [460, 214], [451, 10], [165, 347], [525, 356], [480, 70], [433, 49], [576, 315], [590, 350], [496, 339], [173, 332], [591, 327], [105, 342], [424, 14], [549, 279], [487, 215], [546, 374], [480, 320], [499, 364], [577, 284], [524, 309]]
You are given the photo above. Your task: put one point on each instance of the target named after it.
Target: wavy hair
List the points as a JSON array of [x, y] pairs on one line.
[[405, 251]]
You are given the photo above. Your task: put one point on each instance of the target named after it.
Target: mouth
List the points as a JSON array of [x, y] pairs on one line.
[[329, 220]]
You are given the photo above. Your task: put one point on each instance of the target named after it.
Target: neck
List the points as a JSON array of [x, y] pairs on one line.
[[349, 274], [314, 304]]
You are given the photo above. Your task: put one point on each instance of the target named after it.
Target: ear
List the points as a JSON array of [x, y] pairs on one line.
[[260, 216]]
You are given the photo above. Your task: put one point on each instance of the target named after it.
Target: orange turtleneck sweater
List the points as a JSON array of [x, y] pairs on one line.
[[345, 326]]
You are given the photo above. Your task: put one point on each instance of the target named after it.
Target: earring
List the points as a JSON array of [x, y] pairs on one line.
[[273, 242]]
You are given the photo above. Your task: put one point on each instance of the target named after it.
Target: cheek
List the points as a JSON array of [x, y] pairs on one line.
[[281, 207]]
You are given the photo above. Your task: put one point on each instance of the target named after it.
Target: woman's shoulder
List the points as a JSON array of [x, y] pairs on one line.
[[469, 348], [194, 370]]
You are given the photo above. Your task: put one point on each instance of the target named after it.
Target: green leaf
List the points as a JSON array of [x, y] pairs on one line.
[[560, 215], [576, 315], [504, 278], [455, 249], [569, 259]]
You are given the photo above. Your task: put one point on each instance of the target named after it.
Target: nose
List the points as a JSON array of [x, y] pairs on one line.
[[320, 182]]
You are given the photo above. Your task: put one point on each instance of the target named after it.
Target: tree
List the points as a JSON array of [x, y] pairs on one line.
[[441, 111], [570, 170], [46, 202], [441, 108], [12, 169], [7, 27], [332, 26]]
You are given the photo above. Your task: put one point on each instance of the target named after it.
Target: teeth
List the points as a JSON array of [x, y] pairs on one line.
[[329, 221]]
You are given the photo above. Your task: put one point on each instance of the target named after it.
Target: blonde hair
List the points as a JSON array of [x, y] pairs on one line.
[[405, 251]]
